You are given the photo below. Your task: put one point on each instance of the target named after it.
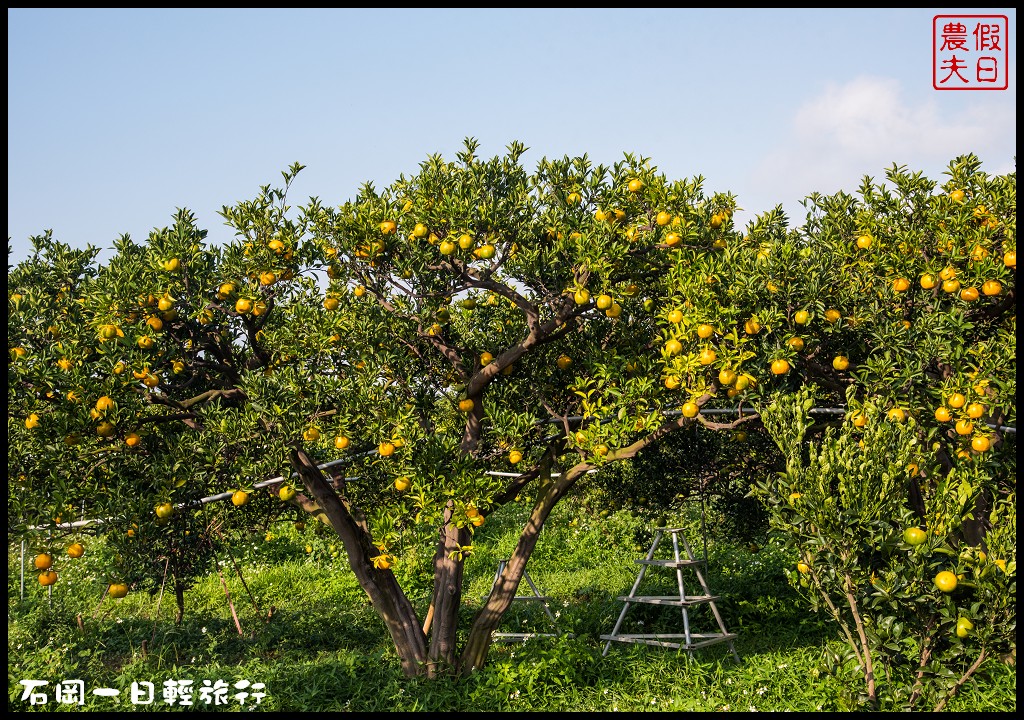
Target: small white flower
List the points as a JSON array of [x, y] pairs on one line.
[[753, 709], [762, 690], [204, 631]]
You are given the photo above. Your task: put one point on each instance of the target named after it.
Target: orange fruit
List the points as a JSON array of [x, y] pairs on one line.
[[942, 414], [704, 331], [76, 550], [780, 366], [386, 449], [964, 427], [43, 561], [901, 285], [341, 442], [946, 581], [239, 498], [466, 405], [690, 409], [47, 578], [117, 590], [981, 443], [969, 294], [956, 400], [992, 287]]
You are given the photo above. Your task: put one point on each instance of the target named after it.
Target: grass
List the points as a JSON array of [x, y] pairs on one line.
[[324, 649]]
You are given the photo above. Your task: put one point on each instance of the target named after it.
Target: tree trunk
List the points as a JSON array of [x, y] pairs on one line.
[[447, 598], [507, 585], [381, 586], [179, 597]]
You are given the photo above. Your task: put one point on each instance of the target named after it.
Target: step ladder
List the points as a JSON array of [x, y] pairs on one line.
[[687, 640], [535, 597]]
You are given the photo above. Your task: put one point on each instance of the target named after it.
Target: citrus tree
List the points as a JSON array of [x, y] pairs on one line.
[[414, 359]]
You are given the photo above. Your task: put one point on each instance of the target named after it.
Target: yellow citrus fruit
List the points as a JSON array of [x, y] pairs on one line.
[[914, 536], [946, 581], [43, 561]]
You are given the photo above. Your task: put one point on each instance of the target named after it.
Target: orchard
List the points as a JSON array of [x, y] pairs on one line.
[[479, 317]]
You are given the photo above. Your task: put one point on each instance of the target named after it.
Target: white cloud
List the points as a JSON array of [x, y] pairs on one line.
[[864, 126]]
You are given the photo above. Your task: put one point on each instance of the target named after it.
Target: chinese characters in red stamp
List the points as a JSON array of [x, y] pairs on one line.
[[970, 52]]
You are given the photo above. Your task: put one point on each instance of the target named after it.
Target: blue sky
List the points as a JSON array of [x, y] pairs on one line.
[[116, 118]]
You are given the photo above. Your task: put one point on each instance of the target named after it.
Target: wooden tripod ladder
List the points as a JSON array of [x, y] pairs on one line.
[[690, 640]]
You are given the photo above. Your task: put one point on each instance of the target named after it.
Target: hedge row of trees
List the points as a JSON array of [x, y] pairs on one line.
[[477, 316]]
